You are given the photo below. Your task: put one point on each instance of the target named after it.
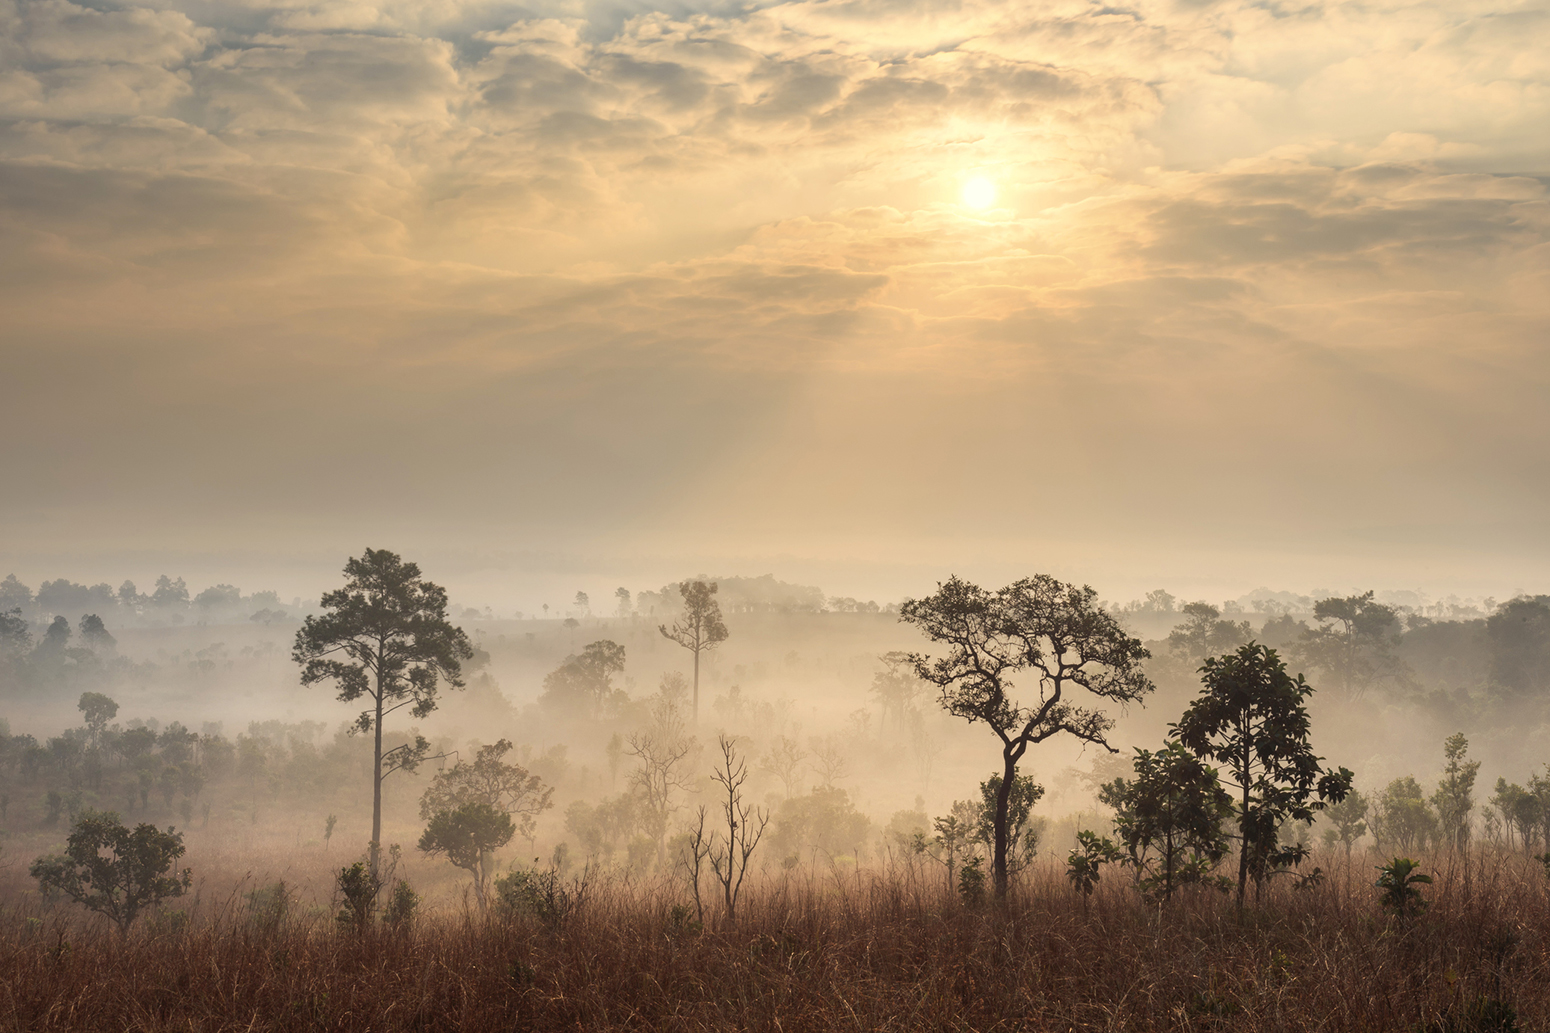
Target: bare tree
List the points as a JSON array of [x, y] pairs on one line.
[[699, 628], [829, 758], [784, 760], [745, 827], [663, 750]]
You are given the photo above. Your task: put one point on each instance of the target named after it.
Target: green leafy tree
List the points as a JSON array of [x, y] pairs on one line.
[[1022, 833], [1348, 819], [1175, 806], [583, 684], [114, 870], [1352, 647], [699, 628], [98, 710], [489, 779], [1400, 884], [1403, 819], [385, 637], [1521, 811], [1053, 632], [1519, 637], [1250, 717], [1085, 863], [1455, 795], [469, 836]]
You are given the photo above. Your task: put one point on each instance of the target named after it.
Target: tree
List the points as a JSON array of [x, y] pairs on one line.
[[1519, 637], [664, 749], [625, 606], [1022, 836], [95, 633], [1250, 717], [1349, 820], [784, 760], [1054, 631], [896, 688], [699, 628], [113, 870], [488, 779], [583, 682], [1176, 805], [99, 710], [1203, 633], [1353, 646], [1402, 817], [1455, 795], [730, 851], [469, 835], [385, 637]]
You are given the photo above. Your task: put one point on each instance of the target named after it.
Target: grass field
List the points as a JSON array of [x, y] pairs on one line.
[[881, 950]]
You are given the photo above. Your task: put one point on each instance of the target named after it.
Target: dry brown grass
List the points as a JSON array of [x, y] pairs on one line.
[[887, 951]]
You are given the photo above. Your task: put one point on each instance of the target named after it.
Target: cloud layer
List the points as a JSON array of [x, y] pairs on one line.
[[1260, 275]]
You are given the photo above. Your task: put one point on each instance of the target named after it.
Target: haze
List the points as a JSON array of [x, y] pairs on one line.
[[540, 293]]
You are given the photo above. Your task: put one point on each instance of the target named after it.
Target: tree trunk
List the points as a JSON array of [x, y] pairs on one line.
[[696, 685], [376, 785], [1003, 806]]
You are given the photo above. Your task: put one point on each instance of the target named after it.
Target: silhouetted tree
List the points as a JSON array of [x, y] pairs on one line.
[[583, 682], [385, 637], [1175, 805], [1053, 631], [699, 628], [1353, 646], [1455, 795], [1250, 717], [113, 870], [489, 779], [1519, 637], [469, 835], [98, 710]]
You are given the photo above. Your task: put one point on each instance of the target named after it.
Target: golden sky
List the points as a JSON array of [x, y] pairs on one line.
[[1222, 291]]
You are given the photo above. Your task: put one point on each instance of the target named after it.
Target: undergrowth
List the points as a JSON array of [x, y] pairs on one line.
[[890, 950]]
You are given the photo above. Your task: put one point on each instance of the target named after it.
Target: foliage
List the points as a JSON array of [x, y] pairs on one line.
[[1454, 798], [1353, 645], [971, 882], [358, 886], [1203, 633], [699, 627], [1519, 636], [824, 821], [1176, 806], [1349, 820], [385, 637], [469, 835], [896, 688], [403, 906], [489, 779], [542, 895], [1399, 882], [1402, 818], [583, 684], [1022, 834], [1251, 718], [1040, 626], [1084, 864], [113, 870]]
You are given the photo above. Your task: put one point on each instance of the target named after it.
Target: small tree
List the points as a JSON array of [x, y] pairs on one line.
[[664, 750], [386, 637], [1022, 834], [469, 836], [1053, 631], [583, 684], [113, 870], [1175, 806], [1402, 817], [1085, 863], [98, 710], [699, 628], [489, 779], [1455, 795], [745, 824], [1250, 717], [1349, 820]]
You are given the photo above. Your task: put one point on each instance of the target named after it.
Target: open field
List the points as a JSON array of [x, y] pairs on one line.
[[870, 950]]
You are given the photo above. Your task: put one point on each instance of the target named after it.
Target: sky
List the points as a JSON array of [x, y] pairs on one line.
[[1199, 294]]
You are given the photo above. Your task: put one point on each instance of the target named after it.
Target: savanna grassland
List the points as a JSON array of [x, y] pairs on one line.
[[879, 949]]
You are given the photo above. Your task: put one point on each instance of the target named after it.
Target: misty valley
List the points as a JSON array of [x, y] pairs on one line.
[[734, 802]]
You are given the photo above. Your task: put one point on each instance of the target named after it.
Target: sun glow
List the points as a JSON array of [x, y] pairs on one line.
[[979, 193]]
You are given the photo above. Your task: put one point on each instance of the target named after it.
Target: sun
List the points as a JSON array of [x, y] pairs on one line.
[[979, 193]]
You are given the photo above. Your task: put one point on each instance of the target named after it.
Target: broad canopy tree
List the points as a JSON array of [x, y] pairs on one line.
[[1250, 717], [490, 780], [114, 870], [386, 638], [1039, 626]]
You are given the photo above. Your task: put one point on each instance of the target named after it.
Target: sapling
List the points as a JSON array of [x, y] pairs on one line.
[[1398, 880]]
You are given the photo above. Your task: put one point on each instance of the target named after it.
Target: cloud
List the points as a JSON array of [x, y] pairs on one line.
[[1228, 236]]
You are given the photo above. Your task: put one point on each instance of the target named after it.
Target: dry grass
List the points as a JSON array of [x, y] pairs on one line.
[[888, 951]]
